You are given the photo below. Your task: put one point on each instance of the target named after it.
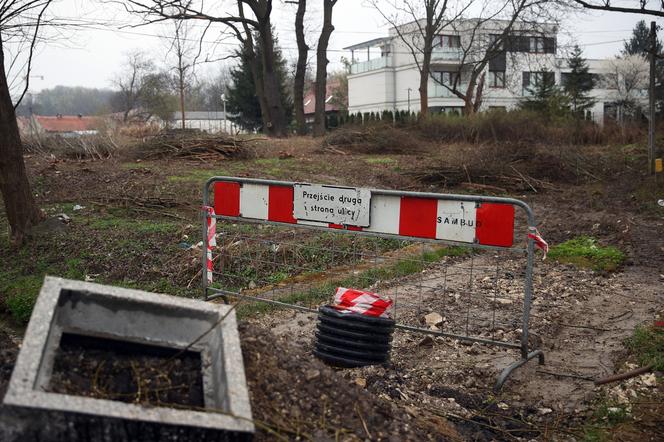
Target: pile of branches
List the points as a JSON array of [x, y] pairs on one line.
[[374, 139], [84, 147], [194, 144]]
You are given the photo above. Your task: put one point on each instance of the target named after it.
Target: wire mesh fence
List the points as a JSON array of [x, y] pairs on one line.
[[467, 291]]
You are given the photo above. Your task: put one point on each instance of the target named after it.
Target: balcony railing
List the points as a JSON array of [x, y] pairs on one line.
[[370, 65], [439, 91], [452, 54]]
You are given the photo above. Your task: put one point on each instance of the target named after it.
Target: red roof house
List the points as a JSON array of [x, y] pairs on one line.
[[67, 124], [331, 106]]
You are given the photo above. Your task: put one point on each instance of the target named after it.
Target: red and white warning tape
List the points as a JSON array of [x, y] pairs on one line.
[[539, 241], [364, 303], [211, 239]]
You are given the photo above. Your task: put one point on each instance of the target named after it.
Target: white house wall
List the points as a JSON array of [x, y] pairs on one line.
[[387, 88]]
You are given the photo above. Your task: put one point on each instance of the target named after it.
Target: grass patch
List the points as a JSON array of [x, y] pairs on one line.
[[321, 292], [200, 176], [20, 294], [647, 344], [606, 416], [130, 166], [380, 160], [137, 225], [585, 252]]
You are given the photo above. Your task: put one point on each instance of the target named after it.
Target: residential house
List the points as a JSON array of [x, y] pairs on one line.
[[384, 75], [67, 126], [332, 105]]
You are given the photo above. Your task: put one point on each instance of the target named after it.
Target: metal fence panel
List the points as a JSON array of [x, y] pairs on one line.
[[465, 257]]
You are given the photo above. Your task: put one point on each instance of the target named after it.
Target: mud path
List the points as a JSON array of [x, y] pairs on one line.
[[580, 319]]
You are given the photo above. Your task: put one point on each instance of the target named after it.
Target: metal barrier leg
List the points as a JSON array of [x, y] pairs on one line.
[[509, 369]]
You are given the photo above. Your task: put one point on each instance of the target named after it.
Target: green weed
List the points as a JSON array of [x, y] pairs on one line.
[[380, 160], [585, 252], [321, 292], [20, 294], [136, 225], [647, 344]]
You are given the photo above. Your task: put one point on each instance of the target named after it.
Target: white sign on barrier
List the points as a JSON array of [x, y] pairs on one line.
[[336, 205]]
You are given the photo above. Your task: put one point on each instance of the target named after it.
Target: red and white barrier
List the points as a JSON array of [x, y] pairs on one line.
[[490, 224], [211, 240], [364, 303]]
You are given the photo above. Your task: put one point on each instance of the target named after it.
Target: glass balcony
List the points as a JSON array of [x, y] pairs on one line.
[[451, 54], [370, 65], [439, 91]]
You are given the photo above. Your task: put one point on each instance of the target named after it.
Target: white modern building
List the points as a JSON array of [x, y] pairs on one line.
[[384, 75], [207, 121]]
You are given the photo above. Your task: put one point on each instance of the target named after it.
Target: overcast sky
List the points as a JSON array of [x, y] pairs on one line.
[[93, 56]]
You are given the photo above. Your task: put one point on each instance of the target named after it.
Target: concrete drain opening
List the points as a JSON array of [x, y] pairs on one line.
[[120, 362]]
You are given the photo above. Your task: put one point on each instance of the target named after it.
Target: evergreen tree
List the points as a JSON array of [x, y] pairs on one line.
[[579, 83], [545, 97], [242, 100], [639, 44]]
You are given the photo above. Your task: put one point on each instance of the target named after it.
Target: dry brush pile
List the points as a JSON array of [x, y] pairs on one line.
[[193, 144]]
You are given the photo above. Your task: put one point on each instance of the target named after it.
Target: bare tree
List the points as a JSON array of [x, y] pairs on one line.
[[300, 66], [321, 68], [130, 82], [627, 78], [243, 26], [184, 52], [19, 20], [607, 5], [143, 90], [418, 23]]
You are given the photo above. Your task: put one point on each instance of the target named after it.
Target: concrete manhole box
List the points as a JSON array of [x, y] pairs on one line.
[[141, 318]]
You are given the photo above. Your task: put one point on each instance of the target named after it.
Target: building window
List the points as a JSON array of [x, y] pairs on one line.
[[448, 78], [534, 78], [537, 45], [449, 41], [497, 79], [492, 40]]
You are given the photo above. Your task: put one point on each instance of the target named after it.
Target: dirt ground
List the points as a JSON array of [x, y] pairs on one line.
[[433, 388]]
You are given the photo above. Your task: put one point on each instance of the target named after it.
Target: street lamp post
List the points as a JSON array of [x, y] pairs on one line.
[[223, 100], [409, 89]]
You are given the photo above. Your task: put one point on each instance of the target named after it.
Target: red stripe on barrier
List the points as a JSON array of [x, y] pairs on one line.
[[495, 224], [340, 227], [227, 198], [417, 217], [280, 205]]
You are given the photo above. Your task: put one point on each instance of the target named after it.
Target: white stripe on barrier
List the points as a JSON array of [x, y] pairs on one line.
[[254, 200], [385, 212], [456, 221]]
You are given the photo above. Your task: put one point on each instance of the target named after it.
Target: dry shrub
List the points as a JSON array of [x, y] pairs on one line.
[[193, 144], [84, 147], [139, 130], [522, 126], [379, 138], [530, 166]]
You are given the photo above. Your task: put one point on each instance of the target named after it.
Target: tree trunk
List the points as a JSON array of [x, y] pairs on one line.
[[424, 83], [301, 68], [479, 94], [276, 125], [321, 68], [20, 206]]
